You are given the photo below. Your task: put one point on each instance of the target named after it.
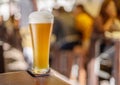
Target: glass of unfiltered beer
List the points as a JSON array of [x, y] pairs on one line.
[[40, 23]]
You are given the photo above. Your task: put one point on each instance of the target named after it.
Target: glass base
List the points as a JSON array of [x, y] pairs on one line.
[[39, 72]]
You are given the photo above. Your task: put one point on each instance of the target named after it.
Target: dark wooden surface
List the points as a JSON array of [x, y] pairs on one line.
[[23, 78]]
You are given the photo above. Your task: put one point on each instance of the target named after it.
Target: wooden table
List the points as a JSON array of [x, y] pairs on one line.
[[24, 78]]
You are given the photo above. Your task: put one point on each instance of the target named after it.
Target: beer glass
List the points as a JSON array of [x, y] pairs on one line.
[[40, 24]]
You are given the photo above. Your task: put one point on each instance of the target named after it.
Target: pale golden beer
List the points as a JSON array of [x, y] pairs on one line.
[[40, 24]]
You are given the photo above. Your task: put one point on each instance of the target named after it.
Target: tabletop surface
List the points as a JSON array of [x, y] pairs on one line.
[[24, 78]]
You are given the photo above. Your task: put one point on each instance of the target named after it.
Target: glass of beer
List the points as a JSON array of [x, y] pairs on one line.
[[40, 23]]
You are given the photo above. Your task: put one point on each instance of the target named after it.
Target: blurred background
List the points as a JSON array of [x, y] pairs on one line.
[[85, 41], [9, 7]]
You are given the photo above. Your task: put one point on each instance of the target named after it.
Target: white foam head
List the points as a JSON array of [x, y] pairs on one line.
[[43, 16]]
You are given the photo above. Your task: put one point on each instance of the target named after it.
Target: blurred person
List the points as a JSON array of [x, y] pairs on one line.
[[63, 29], [107, 18], [106, 22], [57, 36], [26, 7], [57, 27], [83, 25], [70, 37], [14, 59], [68, 40]]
